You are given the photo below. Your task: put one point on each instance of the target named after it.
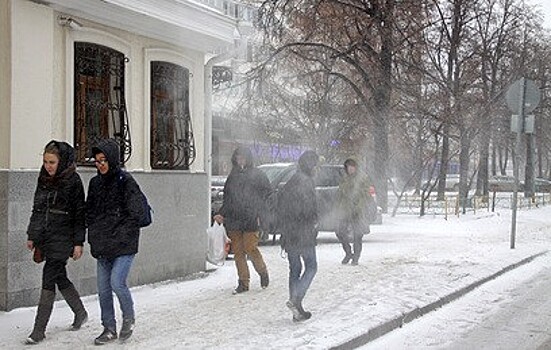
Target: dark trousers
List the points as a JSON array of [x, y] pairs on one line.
[[352, 232], [55, 273], [299, 278]]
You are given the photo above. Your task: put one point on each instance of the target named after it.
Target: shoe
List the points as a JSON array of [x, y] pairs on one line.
[[108, 336], [127, 329], [294, 310], [346, 259], [75, 303], [34, 339], [354, 262], [305, 315], [241, 288], [264, 280]]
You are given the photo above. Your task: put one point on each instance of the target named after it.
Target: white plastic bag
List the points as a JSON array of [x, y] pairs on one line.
[[217, 239]]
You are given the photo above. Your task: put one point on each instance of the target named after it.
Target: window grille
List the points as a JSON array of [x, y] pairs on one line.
[[100, 106], [172, 140]]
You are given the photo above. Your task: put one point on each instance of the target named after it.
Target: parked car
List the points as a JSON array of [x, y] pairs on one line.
[[217, 183], [503, 183]]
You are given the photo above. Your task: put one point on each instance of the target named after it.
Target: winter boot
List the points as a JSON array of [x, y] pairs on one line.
[[264, 280], [348, 253], [127, 329], [305, 314], [241, 288], [107, 336], [346, 259], [45, 306], [299, 314], [73, 299]]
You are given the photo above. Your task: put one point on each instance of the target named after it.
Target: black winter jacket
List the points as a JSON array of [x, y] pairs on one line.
[[113, 208], [245, 195], [297, 212], [57, 222]]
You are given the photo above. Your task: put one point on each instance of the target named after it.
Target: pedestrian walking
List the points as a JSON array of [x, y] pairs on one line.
[[114, 207], [297, 220], [246, 192], [56, 232], [355, 209]]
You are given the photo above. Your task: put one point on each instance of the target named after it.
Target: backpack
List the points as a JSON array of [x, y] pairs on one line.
[[147, 217]]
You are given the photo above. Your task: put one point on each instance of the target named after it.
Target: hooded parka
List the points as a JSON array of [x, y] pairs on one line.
[[57, 222], [245, 195], [113, 207], [297, 208]]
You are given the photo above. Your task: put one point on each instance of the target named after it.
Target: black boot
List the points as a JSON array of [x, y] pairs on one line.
[[348, 253], [73, 299], [264, 280], [45, 306], [241, 288], [346, 259]]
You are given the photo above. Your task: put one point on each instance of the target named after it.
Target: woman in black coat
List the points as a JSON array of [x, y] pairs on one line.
[[57, 230], [114, 208]]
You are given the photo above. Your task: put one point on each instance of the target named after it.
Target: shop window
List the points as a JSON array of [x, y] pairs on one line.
[[172, 141], [100, 106]]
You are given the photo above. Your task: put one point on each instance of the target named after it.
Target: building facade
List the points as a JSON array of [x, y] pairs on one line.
[[137, 71]]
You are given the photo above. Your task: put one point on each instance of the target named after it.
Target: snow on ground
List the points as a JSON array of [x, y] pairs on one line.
[[407, 262], [510, 312]]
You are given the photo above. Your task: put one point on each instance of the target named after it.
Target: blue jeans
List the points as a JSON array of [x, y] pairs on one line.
[[299, 280], [112, 275]]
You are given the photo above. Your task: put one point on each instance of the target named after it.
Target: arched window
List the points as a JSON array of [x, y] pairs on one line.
[[100, 106], [172, 142]]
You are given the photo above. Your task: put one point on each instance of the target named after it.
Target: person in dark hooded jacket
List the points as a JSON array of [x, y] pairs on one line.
[[245, 201], [114, 207], [297, 213], [57, 229]]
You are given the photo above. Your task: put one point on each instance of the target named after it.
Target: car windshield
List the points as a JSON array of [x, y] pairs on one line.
[[273, 171]]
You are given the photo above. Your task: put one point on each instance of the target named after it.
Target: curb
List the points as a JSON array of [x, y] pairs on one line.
[[399, 321]]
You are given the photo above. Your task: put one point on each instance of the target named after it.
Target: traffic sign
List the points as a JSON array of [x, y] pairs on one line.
[[532, 95]]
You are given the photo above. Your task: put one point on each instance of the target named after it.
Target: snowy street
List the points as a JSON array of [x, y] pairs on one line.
[[407, 263], [511, 312]]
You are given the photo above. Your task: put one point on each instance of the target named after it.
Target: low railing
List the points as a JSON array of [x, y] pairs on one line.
[[451, 204]]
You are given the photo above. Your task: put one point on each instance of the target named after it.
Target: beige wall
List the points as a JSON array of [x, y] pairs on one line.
[[32, 76], [5, 83], [42, 93]]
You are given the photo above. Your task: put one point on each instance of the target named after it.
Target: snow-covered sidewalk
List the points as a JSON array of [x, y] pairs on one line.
[[407, 263]]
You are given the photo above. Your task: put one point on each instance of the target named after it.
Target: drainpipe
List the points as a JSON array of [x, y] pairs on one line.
[[208, 103]]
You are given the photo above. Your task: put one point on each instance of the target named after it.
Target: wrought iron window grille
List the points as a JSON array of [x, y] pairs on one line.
[[172, 139], [100, 105]]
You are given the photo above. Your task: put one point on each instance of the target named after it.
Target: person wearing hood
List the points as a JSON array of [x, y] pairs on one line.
[[297, 214], [57, 229], [245, 201], [354, 202], [114, 207]]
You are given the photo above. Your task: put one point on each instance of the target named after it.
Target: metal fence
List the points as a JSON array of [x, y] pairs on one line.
[[451, 204]]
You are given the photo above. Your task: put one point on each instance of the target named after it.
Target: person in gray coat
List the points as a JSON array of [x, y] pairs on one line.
[[297, 213]]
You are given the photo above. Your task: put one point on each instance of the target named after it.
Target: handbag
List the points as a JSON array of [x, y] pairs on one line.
[[38, 256]]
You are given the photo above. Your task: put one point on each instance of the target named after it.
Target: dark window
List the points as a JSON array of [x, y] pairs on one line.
[[100, 106], [172, 142]]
